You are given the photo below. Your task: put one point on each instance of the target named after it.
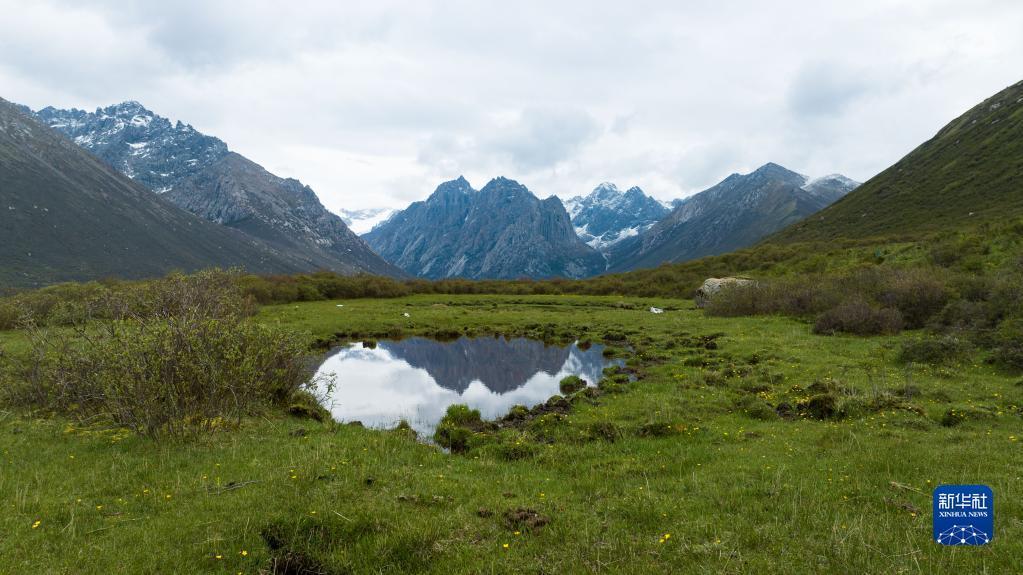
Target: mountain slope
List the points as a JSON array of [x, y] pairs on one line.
[[198, 172], [501, 231], [608, 215], [66, 215], [737, 212], [971, 171], [287, 215]]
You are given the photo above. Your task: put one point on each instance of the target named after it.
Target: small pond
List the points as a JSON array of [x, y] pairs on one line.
[[416, 379]]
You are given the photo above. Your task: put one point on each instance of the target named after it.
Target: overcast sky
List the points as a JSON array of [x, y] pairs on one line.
[[375, 103]]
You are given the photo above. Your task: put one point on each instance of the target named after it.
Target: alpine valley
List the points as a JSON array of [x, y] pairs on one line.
[[205, 369]]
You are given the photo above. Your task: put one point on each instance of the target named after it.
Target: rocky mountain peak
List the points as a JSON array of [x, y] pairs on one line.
[[504, 231], [607, 215], [737, 212], [138, 142]]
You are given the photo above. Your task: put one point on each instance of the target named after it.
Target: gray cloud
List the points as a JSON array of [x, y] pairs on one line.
[[823, 89], [375, 103], [541, 137]]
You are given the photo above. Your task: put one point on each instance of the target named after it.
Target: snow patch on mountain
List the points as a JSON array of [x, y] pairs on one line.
[[608, 215], [363, 221], [137, 142]]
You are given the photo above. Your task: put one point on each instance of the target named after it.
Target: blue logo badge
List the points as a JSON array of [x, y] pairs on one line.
[[964, 515]]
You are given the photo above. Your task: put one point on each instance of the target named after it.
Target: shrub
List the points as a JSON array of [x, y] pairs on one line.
[[9, 315], [457, 428], [918, 294], [858, 317], [178, 358], [571, 384], [1008, 342], [161, 377], [940, 350]]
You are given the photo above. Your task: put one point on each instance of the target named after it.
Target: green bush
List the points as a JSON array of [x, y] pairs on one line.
[[161, 377], [571, 384], [9, 315], [179, 357], [947, 349], [1008, 344], [457, 428], [858, 317], [918, 294]]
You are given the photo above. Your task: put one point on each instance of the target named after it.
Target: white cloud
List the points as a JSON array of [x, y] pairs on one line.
[[376, 103]]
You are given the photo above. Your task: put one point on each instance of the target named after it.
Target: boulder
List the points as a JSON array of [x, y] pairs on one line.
[[712, 286]]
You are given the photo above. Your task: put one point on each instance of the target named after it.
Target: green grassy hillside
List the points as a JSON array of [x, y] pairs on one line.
[[970, 172]]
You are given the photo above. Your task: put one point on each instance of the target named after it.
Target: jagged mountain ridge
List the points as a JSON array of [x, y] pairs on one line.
[[200, 174], [65, 215], [138, 143], [502, 231], [608, 215], [737, 212], [236, 192]]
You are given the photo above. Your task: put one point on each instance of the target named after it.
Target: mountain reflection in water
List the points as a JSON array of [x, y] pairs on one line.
[[416, 379]]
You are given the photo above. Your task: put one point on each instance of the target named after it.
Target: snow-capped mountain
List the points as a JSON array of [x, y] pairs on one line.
[[607, 215], [362, 221], [830, 187], [200, 174], [736, 213], [144, 146]]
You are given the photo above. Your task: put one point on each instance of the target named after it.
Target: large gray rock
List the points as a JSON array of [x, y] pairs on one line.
[[712, 286]]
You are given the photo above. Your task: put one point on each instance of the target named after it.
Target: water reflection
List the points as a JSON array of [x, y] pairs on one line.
[[416, 379]]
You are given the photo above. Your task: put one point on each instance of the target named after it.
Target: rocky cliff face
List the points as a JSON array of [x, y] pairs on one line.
[[198, 173], [284, 213], [500, 231], [138, 143], [607, 215], [734, 214]]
